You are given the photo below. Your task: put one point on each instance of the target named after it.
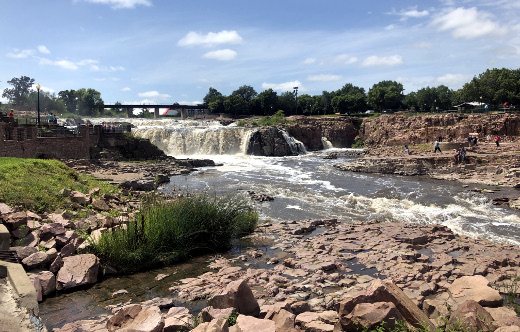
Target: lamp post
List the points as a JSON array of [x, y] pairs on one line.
[[38, 88], [296, 98]]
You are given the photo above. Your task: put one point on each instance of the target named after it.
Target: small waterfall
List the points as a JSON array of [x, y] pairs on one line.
[[192, 141], [326, 143], [296, 146]]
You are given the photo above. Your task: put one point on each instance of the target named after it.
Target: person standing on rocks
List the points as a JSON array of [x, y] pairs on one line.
[[497, 140], [436, 146]]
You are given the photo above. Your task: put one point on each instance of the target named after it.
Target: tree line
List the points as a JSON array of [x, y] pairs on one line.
[[494, 87]]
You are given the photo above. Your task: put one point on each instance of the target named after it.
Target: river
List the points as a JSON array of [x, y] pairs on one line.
[[304, 186]]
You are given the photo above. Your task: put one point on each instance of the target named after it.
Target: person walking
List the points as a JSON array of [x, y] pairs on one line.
[[497, 140], [436, 146]]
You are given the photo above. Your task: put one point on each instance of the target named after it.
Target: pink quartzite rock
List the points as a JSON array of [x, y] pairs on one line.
[[47, 281], [250, 324], [470, 316], [78, 197], [136, 318], [217, 325], [15, 220], [37, 286], [49, 230], [77, 270], [475, 288], [237, 295], [35, 260], [385, 291], [178, 319]]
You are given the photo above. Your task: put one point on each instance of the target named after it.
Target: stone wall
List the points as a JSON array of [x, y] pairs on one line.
[[22, 142]]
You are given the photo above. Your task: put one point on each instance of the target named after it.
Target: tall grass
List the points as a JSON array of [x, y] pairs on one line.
[[168, 231], [34, 184]]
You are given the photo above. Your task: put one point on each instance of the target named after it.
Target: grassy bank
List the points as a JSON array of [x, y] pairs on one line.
[[167, 231], [34, 184]]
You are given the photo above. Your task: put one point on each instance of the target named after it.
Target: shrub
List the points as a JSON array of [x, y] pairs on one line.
[[168, 231]]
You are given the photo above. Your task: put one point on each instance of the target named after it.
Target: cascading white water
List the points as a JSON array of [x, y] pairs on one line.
[[193, 141]]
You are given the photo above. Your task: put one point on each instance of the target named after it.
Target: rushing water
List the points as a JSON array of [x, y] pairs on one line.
[[303, 187]]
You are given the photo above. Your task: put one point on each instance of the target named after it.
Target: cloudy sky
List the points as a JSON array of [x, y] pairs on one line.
[[165, 51]]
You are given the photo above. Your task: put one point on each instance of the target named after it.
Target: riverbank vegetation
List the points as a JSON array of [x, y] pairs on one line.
[[35, 184], [167, 231]]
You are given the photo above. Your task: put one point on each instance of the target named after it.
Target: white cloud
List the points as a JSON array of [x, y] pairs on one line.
[[374, 60], [468, 23], [345, 59], [324, 78], [452, 79], [414, 13], [309, 61], [390, 27], [221, 55], [20, 54], [126, 89], [118, 68], [43, 49], [153, 95], [283, 87], [212, 38], [66, 64], [122, 4]]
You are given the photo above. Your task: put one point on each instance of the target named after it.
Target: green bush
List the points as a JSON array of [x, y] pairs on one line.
[[168, 231]]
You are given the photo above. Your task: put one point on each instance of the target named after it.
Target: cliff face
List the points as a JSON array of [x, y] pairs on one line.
[[395, 129], [339, 131]]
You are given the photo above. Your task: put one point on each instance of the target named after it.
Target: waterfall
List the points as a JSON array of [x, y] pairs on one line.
[[199, 138], [192, 141]]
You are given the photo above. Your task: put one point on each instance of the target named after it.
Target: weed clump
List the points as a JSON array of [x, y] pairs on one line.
[[168, 231]]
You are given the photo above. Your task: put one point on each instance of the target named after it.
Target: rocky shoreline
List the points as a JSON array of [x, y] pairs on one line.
[[309, 275]]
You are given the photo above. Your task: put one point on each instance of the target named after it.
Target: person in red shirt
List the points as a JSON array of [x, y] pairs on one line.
[[11, 115]]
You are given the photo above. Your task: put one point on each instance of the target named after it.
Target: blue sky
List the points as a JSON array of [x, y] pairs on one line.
[[165, 51]]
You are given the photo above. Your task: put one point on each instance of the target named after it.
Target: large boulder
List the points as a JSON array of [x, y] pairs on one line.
[[475, 288], [35, 260], [236, 295], [216, 325], [47, 231], [136, 318], [249, 324], [470, 316], [384, 291], [15, 220], [77, 271], [178, 319]]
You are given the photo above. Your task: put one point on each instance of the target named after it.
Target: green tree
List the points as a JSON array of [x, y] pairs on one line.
[[386, 94], [266, 102], [245, 92], [19, 91], [89, 102], [70, 99], [306, 103], [287, 102], [235, 105], [211, 96]]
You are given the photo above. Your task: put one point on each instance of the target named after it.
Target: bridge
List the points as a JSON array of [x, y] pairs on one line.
[[183, 109]]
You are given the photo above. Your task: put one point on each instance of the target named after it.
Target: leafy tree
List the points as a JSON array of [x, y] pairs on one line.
[[287, 102], [245, 92], [211, 96], [70, 99], [217, 106], [386, 94], [306, 103], [235, 105], [266, 102], [49, 102], [495, 86], [340, 104], [20, 90], [89, 102]]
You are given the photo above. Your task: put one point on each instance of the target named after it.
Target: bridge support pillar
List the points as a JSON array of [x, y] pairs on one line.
[[156, 113], [184, 113]]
